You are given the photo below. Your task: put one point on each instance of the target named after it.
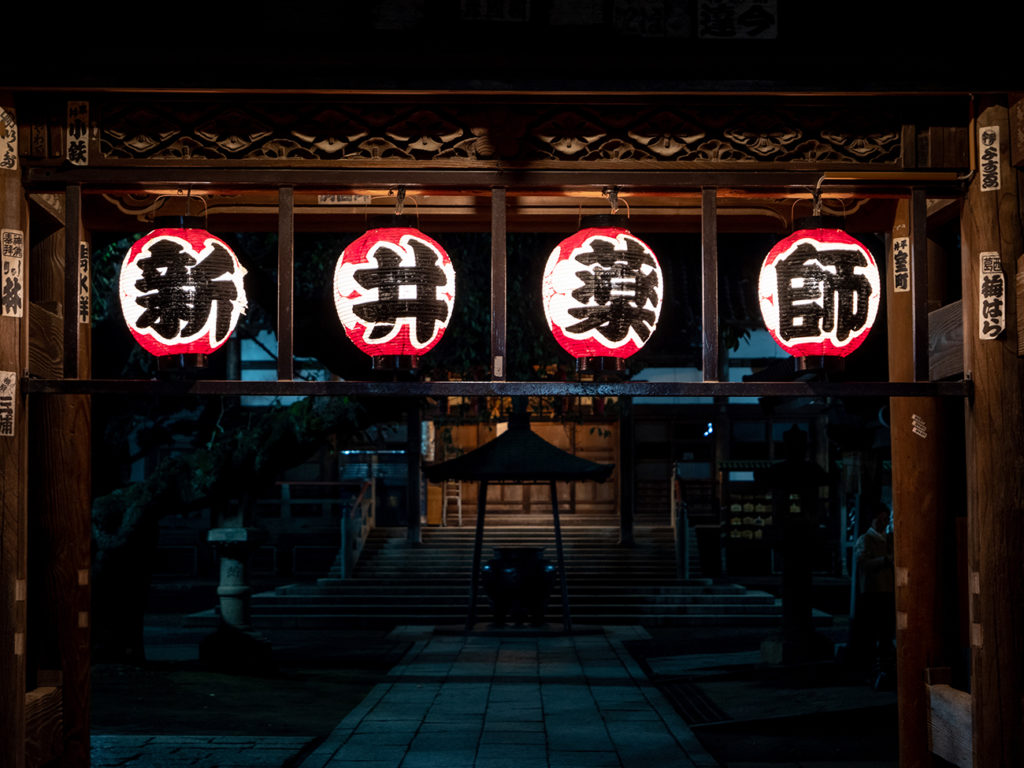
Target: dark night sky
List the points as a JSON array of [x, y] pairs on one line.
[[541, 44]]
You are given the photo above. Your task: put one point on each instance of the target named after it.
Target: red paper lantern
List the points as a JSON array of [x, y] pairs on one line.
[[394, 289], [819, 292], [182, 291], [602, 293]]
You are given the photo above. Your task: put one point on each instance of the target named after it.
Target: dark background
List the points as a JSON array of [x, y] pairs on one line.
[[606, 45]]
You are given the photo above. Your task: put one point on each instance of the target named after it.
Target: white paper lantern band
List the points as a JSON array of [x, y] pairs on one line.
[[182, 292], [394, 290], [602, 292]]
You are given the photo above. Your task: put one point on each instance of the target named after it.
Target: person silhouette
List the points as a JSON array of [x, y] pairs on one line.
[[795, 483], [875, 606]]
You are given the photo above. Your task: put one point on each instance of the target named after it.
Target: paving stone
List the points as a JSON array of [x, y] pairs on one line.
[[253, 758], [453, 740], [517, 724], [504, 762], [396, 711], [119, 740], [477, 702], [384, 739], [381, 752], [524, 754], [435, 760], [568, 743], [383, 726], [451, 726], [563, 759], [513, 737], [637, 730], [515, 692], [642, 754], [622, 715]]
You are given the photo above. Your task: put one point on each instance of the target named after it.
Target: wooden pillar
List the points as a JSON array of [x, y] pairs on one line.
[[627, 473], [709, 272], [414, 534], [285, 282], [478, 544], [67, 507], [59, 487], [13, 484], [61, 544], [924, 532], [990, 224], [499, 297]]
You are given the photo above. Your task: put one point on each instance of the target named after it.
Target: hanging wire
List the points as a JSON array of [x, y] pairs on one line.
[[818, 204], [139, 213]]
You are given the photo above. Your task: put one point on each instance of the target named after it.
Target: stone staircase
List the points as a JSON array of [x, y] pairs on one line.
[[396, 582]]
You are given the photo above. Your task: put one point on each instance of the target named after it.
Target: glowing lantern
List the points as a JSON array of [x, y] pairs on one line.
[[394, 289], [819, 292], [182, 291], [602, 294]]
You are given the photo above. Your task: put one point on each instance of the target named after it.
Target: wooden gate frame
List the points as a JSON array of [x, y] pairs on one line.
[[51, 720]]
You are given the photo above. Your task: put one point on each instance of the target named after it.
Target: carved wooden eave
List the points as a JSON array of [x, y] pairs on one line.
[[551, 152], [597, 131]]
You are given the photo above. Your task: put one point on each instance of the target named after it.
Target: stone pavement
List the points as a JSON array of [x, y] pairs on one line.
[[131, 751], [513, 700]]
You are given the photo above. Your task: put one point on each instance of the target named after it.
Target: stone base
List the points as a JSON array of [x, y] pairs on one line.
[[777, 649]]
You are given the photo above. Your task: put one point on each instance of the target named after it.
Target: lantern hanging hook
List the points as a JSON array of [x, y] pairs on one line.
[[158, 204], [188, 206], [399, 199], [816, 198], [612, 193]]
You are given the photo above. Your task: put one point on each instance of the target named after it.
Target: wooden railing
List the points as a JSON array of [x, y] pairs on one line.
[[357, 521]]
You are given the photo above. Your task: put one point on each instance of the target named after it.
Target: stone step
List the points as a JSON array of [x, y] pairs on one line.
[[396, 582], [362, 620], [683, 602], [376, 586], [446, 612]]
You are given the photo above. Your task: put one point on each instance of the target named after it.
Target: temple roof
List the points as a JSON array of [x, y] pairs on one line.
[[518, 456]]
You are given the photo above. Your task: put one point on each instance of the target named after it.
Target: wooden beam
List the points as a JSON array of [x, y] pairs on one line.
[[785, 389], [627, 473], [59, 475], [61, 547], [1017, 129], [413, 425], [924, 542], [72, 237], [995, 463], [46, 330], [560, 559], [877, 180], [478, 544], [13, 487], [709, 258], [946, 342], [918, 231], [499, 292], [47, 286], [285, 283], [949, 724], [44, 725]]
